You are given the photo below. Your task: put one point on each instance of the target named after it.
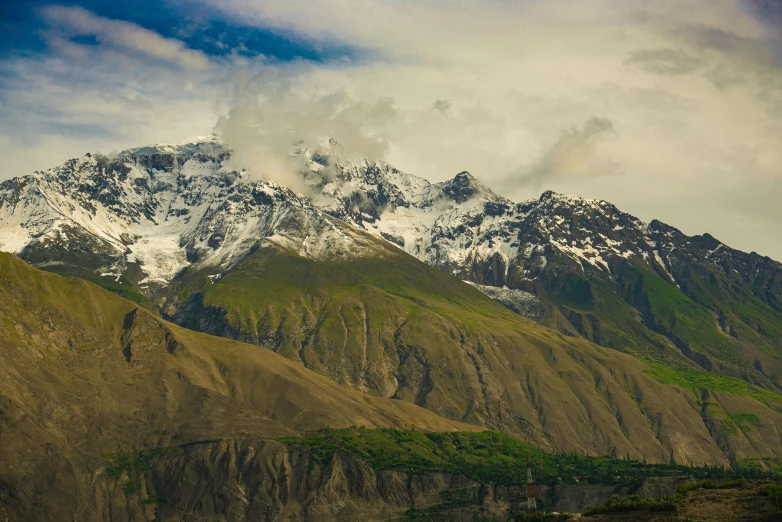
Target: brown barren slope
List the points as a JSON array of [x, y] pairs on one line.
[[84, 373]]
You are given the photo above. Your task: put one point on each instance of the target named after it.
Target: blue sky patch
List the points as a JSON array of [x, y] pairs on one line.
[[198, 26]]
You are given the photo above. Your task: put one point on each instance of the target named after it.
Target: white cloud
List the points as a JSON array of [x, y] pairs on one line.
[[692, 89], [267, 116], [574, 155], [68, 22], [61, 106]]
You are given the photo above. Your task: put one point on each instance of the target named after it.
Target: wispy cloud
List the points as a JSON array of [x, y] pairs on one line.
[[266, 117], [67, 23], [665, 61], [574, 155], [686, 93], [128, 85]]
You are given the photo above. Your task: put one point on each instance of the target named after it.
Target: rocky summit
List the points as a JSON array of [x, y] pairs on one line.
[[390, 303]]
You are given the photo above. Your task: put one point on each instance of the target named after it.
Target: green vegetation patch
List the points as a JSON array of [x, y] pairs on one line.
[[133, 466], [774, 503], [677, 316], [740, 418], [769, 467], [697, 381], [486, 457], [740, 421], [620, 504]]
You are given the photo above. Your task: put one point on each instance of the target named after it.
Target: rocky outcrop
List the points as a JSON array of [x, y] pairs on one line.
[[262, 480], [521, 302], [265, 481]]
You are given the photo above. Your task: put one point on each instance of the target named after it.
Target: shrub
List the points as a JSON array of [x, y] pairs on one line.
[[774, 504], [617, 504], [703, 484], [739, 483]]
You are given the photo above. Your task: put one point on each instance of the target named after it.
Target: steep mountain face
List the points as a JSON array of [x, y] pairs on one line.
[[84, 373], [109, 413], [646, 289], [179, 231]]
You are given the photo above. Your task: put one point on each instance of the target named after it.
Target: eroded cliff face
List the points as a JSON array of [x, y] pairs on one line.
[[264, 480]]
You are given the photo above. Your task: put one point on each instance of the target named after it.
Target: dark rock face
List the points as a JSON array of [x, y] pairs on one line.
[[265, 480], [462, 187]]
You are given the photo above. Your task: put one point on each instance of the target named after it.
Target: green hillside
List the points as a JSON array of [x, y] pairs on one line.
[[714, 322], [394, 327]]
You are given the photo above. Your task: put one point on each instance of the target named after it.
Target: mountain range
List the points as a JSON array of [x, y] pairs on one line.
[[562, 321], [141, 220]]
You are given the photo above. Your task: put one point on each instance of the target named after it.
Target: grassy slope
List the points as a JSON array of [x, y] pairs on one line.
[[63, 322], [732, 332], [487, 457], [84, 372], [65, 342], [396, 327], [121, 287], [602, 316]]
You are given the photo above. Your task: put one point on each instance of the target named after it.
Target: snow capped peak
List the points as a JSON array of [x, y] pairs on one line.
[[211, 138], [551, 197], [463, 179], [163, 208], [465, 186], [207, 145]]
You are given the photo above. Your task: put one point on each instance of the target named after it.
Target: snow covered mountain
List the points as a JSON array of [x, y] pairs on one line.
[[598, 272], [462, 227], [154, 210], [580, 266], [165, 207]]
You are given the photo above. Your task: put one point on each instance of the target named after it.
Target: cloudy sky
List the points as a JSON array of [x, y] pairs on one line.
[[671, 109]]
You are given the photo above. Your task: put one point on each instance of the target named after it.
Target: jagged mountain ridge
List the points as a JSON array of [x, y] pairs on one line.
[[604, 274], [185, 192], [144, 216], [150, 212], [463, 227]]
